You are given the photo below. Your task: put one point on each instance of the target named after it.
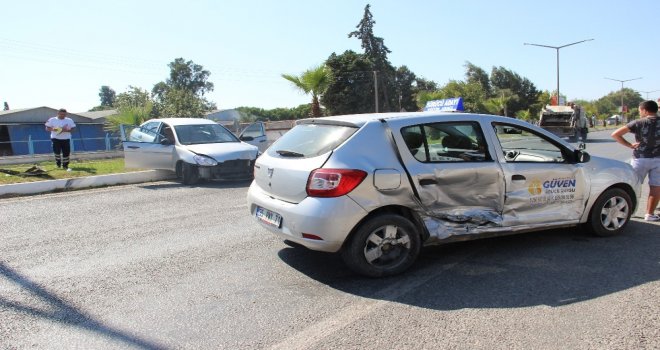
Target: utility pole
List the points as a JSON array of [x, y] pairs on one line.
[[376, 90]]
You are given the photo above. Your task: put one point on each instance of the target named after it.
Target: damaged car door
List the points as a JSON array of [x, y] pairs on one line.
[[545, 186], [460, 184]]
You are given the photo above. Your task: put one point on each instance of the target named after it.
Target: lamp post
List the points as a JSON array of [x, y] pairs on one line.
[[648, 92], [557, 48], [623, 81]]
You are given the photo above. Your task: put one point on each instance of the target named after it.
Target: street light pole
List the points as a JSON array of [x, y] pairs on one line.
[[648, 92], [557, 48], [622, 81]]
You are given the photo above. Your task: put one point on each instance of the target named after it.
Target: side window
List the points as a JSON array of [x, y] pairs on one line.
[[415, 142], [447, 142], [147, 133], [166, 131], [522, 145]]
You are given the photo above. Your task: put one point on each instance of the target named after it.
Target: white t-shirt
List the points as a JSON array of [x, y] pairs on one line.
[[58, 124]]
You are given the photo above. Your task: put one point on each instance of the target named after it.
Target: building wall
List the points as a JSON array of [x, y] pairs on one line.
[[86, 137], [23, 132]]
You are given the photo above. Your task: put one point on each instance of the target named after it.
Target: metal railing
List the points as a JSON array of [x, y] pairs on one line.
[[110, 143]]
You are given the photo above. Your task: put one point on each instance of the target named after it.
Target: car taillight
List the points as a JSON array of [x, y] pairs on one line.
[[333, 182]]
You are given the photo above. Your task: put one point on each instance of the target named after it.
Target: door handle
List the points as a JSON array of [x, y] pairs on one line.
[[133, 147], [262, 141], [518, 178], [426, 182]]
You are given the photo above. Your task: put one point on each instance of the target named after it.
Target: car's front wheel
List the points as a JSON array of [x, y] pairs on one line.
[[189, 174], [384, 245], [611, 213]]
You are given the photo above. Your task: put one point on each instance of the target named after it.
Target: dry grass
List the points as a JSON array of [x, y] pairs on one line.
[[10, 174]]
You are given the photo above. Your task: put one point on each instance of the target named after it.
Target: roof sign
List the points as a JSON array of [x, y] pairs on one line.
[[446, 105]]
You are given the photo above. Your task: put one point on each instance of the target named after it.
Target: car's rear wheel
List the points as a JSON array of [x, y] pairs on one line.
[[384, 245], [611, 213], [189, 174]]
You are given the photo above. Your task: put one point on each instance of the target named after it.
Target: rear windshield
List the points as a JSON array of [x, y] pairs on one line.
[[310, 140]]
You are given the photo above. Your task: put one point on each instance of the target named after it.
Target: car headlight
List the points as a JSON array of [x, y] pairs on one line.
[[204, 160]]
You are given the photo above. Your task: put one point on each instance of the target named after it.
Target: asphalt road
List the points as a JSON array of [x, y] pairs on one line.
[[161, 265]]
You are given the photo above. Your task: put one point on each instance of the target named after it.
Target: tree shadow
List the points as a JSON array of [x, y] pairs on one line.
[[553, 268], [63, 312]]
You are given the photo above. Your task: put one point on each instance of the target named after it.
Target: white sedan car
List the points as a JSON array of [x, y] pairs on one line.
[[194, 148]]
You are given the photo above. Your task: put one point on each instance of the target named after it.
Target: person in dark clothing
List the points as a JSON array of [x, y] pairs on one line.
[[646, 151]]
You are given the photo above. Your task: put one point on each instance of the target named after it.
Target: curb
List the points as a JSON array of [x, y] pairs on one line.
[[84, 182]]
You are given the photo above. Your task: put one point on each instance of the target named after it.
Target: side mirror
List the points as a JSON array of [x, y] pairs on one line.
[[582, 156], [247, 138], [165, 141]]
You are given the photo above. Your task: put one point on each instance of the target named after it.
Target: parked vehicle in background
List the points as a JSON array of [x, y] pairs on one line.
[[377, 187], [558, 120], [263, 134], [194, 148], [255, 134], [614, 120]]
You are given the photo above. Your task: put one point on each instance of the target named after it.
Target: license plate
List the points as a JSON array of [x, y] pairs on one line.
[[269, 217]]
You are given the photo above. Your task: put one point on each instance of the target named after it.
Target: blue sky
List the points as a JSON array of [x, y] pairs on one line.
[[59, 53]]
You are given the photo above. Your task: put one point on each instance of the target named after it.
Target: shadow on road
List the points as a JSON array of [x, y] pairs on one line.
[[203, 184], [553, 268], [598, 141], [61, 311]]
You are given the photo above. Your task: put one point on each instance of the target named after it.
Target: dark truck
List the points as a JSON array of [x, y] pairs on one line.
[[559, 120]]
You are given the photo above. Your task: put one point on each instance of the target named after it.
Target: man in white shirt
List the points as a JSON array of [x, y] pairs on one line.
[[60, 128]]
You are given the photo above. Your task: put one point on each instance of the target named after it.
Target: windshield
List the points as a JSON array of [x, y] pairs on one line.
[[203, 133]]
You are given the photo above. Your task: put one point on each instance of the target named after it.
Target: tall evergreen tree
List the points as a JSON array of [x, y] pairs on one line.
[[376, 51], [374, 47]]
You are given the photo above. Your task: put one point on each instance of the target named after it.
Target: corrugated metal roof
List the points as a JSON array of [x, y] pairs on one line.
[[11, 111], [37, 115], [99, 114]]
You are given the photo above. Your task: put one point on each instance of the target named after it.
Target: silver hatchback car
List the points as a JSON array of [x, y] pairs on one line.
[[377, 187]]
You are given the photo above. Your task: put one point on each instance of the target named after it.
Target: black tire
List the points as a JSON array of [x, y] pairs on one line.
[[293, 244], [384, 245], [610, 213], [189, 174]]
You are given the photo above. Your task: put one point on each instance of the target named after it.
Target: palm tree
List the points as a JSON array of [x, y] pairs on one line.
[[133, 115], [500, 103], [314, 81]]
